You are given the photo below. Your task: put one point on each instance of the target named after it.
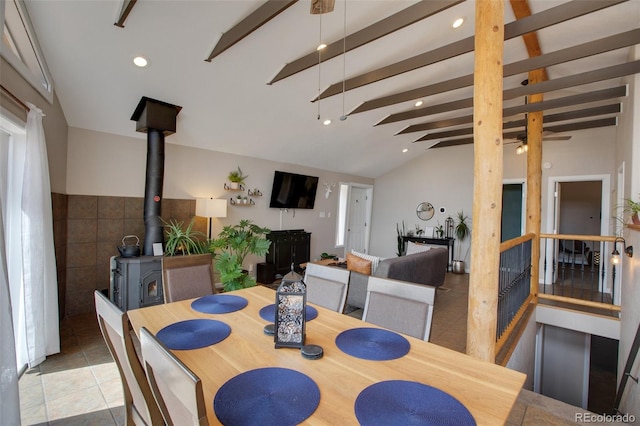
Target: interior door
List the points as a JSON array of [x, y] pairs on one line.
[[357, 226], [512, 211]]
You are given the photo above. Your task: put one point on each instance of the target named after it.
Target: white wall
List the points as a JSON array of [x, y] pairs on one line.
[[113, 165], [523, 357], [444, 177]]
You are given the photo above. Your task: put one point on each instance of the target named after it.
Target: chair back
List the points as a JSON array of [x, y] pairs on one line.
[[187, 277], [140, 406], [327, 286], [400, 306], [177, 390]]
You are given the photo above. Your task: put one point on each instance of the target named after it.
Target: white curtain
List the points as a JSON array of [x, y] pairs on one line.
[[40, 283], [9, 395], [28, 240]]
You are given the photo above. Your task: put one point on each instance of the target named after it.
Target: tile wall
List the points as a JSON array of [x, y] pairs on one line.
[[87, 231]]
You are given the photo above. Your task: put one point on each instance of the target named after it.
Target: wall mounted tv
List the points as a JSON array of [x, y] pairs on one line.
[[293, 191]]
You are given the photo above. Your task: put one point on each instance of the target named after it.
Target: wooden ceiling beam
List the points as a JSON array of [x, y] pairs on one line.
[[125, 10], [546, 86], [522, 10], [567, 101], [263, 14], [552, 16], [552, 118], [583, 125], [395, 22], [584, 50]]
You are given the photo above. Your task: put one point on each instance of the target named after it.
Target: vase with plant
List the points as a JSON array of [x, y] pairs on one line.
[[633, 209], [231, 247], [462, 231], [183, 241], [236, 178]]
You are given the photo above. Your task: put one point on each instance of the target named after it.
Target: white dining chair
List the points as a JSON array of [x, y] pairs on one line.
[[327, 286], [400, 306], [187, 277], [177, 390], [140, 406]]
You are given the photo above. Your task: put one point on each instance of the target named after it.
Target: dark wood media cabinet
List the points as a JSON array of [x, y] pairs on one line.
[[290, 246]]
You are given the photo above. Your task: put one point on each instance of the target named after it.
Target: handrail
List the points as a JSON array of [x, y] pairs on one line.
[[580, 302], [633, 354], [606, 238], [506, 245]]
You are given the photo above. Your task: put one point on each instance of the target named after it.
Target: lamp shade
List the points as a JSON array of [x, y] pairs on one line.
[[209, 207]]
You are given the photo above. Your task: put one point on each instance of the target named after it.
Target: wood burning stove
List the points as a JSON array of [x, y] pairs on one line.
[[136, 282]]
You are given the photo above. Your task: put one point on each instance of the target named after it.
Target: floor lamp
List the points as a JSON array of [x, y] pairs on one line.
[[210, 208]]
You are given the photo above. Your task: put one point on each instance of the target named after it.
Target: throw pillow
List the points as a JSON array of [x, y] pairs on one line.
[[374, 260], [358, 264], [413, 248]]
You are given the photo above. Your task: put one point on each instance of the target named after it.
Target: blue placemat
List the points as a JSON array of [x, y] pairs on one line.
[[266, 396], [219, 304], [268, 313], [373, 344], [193, 334], [401, 402]]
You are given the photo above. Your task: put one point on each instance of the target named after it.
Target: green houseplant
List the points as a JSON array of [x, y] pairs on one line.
[[231, 247], [633, 209], [183, 241], [236, 178], [462, 231]]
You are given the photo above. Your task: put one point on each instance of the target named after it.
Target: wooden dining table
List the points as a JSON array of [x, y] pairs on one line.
[[487, 390]]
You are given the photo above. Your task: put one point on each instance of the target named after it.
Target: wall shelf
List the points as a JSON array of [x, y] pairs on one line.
[[236, 202], [228, 187]]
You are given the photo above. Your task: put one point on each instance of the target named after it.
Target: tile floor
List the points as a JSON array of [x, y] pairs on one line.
[[81, 385]]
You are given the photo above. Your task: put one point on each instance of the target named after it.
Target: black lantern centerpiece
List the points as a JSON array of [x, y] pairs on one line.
[[291, 302], [448, 227]]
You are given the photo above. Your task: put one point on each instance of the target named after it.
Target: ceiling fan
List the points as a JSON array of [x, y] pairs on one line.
[[511, 138], [521, 137]]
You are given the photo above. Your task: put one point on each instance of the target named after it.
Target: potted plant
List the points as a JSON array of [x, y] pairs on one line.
[[231, 247], [236, 178], [185, 241], [633, 209], [462, 232]]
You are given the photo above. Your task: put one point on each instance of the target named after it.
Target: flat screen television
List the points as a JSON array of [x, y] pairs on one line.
[[293, 191]]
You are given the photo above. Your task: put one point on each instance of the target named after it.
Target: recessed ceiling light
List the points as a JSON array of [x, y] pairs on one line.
[[321, 46], [458, 23], [140, 61], [405, 150], [418, 103], [326, 122]]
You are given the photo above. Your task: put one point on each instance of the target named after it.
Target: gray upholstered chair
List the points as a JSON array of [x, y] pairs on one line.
[[327, 286], [400, 306], [187, 277], [177, 390], [140, 406]]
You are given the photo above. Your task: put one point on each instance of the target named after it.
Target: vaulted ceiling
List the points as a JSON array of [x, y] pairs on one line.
[[238, 97]]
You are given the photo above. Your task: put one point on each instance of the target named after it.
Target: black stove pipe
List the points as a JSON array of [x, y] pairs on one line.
[[157, 119], [153, 191]]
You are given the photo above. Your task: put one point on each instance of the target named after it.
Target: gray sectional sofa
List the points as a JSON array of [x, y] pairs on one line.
[[428, 268]]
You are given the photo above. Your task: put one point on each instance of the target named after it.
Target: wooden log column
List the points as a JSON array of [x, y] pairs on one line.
[[534, 179], [487, 186]]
